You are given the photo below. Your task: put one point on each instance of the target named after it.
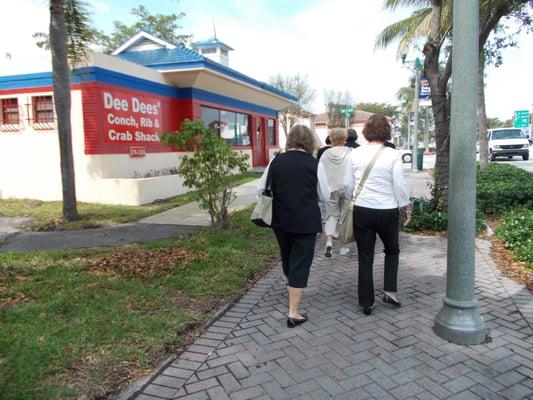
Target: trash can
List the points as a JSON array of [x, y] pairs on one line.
[[420, 159]]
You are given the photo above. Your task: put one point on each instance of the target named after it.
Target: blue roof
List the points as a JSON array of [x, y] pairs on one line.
[[210, 43], [182, 57], [150, 58]]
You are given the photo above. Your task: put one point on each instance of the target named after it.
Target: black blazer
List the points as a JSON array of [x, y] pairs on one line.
[[294, 187]]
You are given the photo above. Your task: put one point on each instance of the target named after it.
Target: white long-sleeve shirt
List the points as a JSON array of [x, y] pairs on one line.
[[385, 186], [322, 187]]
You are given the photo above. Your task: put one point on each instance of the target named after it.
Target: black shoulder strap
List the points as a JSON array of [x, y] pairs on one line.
[[268, 184]]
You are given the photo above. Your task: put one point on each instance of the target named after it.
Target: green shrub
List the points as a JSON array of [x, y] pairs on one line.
[[516, 231], [428, 215], [502, 187], [208, 169]]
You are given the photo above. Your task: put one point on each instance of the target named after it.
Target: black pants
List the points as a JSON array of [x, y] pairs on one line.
[[297, 252], [386, 223]]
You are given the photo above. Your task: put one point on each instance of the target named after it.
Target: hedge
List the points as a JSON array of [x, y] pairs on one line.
[[503, 187]]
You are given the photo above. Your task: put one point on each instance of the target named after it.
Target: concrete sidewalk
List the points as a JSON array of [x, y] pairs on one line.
[[168, 224], [191, 214], [165, 225], [249, 353]]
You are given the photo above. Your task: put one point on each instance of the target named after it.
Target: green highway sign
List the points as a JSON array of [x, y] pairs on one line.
[[347, 110], [521, 119]]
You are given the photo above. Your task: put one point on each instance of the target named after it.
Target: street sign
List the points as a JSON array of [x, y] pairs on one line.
[[425, 91], [521, 119], [347, 110]]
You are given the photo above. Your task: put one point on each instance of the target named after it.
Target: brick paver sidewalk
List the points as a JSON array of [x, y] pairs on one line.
[[339, 353]]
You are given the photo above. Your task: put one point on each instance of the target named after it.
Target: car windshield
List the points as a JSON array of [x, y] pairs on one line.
[[507, 134]]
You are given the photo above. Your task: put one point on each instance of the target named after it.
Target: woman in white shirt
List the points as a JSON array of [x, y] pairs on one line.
[[377, 209], [334, 160]]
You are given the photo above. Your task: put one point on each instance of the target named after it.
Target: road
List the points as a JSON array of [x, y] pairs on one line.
[[429, 161], [518, 162]]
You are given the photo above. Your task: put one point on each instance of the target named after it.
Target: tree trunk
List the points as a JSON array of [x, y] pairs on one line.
[[61, 82], [438, 82], [482, 117], [441, 113]]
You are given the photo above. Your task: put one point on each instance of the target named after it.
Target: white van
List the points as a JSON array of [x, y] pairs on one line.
[[507, 142]]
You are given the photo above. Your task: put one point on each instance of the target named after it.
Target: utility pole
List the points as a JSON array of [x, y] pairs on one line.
[[347, 111], [459, 320], [426, 128], [414, 159]]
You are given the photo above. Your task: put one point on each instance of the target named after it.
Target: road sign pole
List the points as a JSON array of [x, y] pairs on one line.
[[459, 320], [415, 125]]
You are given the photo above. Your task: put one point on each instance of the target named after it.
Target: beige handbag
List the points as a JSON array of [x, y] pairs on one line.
[[346, 232], [262, 213]]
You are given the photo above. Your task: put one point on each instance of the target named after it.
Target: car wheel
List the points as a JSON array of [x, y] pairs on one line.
[[492, 156], [525, 157], [509, 157], [406, 158]]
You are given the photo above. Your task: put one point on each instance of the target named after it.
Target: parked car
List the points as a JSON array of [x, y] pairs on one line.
[[507, 142], [407, 155]]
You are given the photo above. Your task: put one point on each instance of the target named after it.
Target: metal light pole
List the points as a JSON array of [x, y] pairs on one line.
[[409, 130], [415, 125], [459, 320]]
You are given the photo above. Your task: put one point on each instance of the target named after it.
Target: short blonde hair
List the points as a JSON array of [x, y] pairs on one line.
[[338, 136], [301, 137]]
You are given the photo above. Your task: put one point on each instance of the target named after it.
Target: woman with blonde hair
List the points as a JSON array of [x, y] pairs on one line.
[[297, 182], [334, 160]]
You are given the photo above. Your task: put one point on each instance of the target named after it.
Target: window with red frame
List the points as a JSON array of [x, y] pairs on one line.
[[43, 109], [10, 112]]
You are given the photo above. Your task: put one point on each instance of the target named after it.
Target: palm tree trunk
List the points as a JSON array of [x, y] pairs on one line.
[[441, 102], [441, 113], [61, 82], [482, 117]]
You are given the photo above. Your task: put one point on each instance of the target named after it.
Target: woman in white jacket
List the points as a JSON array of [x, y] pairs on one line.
[[334, 161]]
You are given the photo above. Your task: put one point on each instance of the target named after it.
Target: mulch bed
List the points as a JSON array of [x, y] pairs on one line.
[[516, 270]]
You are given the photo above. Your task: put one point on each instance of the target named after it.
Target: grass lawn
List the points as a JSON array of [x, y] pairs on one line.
[[47, 214], [86, 322]]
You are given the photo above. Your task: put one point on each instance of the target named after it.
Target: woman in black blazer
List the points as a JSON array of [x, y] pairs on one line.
[[297, 184]]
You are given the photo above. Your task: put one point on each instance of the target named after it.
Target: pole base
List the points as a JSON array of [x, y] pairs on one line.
[[459, 322]]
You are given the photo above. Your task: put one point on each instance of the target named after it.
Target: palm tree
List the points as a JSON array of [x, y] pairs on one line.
[[431, 22], [68, 38], [61, 82], [406, 95]]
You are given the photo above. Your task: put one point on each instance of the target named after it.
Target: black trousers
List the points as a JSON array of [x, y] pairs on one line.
[[297, 252], [386, 223]]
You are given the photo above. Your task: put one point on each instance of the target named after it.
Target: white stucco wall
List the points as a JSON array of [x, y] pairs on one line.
[[30, 167]]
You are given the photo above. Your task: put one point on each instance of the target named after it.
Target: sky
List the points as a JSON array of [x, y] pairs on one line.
[[329, 41]]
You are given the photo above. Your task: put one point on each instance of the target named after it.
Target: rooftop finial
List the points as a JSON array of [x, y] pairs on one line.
[[214, 30]]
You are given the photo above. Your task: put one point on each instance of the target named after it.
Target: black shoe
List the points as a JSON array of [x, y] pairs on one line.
[[294, 322], [389, 300], [368, 310], [327, 254]]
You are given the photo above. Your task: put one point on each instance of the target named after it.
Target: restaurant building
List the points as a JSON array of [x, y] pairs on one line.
[[120, 103]]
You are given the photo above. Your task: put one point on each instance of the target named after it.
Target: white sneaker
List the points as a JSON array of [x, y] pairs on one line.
[[343, 251]]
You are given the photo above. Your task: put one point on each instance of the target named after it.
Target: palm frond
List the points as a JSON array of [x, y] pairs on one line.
[[392, 5], [414, 26]]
